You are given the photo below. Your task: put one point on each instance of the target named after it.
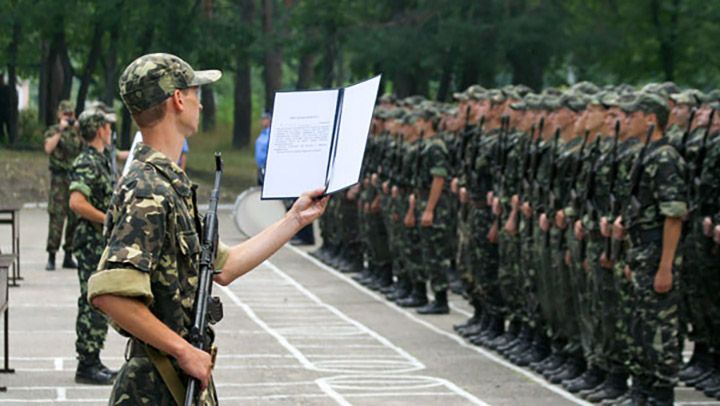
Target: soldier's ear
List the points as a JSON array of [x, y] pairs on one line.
[[177, 101]]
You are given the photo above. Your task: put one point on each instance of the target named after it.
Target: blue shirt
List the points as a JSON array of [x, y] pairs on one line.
[[261, 147], [185, 150]]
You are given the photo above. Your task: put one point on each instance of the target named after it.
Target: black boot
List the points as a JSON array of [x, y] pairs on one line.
[[91, 371], [438, 306], [401, 289], [509, 335], [69, 262], [613, 388], [417, 298], [592, 378], [700, 365], [51, 262], [661, 397], [476, 317], [477, 328]]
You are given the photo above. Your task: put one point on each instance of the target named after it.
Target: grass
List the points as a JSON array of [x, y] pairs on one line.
[[239, 171]]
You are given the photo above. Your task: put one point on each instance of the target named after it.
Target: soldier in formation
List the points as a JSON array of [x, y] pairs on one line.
[[583, 224]]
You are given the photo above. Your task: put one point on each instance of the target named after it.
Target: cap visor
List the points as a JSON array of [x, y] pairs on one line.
[[110, 117], [204, 77]]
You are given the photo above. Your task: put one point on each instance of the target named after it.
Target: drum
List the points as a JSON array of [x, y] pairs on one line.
[[253, 215]]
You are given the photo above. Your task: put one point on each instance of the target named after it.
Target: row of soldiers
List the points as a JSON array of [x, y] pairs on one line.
[[581, 223]]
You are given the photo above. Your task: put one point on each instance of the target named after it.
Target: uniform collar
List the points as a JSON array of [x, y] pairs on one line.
[[169, 169]]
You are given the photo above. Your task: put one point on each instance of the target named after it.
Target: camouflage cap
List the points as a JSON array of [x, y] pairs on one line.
[[152, 78], [91, 120], [411, 101], [575, 101], [610, 99], [551, 91], [647, 102], [388, 98], [713, 95], [624, 88], [533, 101], [522, 90], [585, 88], [66, 106], [551, 102], [496, 96], [521, 105], [97, 104], [381, 113], [690, 98]]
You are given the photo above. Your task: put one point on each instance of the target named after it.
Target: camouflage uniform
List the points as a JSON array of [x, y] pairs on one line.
[[153, 233], [661, 193], [61, 160], [91, 175], [435, 240], [152, 254]]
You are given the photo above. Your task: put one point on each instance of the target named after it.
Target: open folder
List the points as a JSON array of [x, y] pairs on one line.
[[317, 139]]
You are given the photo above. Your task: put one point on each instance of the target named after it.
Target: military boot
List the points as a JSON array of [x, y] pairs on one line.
[[615, 386], [91, 371], [477, 328], [437, 306], [590, 379], [661, 397], [550, 363], [51, 262], [401, 288], [495, 328], [476, 317], [522, 338], [509, 335], [69, 262], [417, 298], [539, 350], [699, 367]]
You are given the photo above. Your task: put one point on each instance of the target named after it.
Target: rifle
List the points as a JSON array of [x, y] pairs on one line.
[[686, 136], [418, 160], [208, 309], [532, 170], [614, 207], [635, 177], [573, 180], [549, 210], [695, 180], [588, 196], [469, 166], [500, 155]]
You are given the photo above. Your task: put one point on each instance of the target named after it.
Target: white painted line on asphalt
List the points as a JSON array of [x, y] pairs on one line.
[[61, 395], [58, 364], [458, 309], [460, 341]]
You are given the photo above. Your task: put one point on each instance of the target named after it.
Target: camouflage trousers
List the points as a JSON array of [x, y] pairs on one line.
[[485, 260], [436, 247], [59, 210], [563, 302], [509, 277], [412, 251], [543, 265], [397, 241], [700, 287], [345, 229], [654, 329], [91, 326], [528, 272], [584, 288], [463, 255]]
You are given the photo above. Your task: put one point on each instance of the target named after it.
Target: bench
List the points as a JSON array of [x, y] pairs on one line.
[[6, 261], [10, 215]]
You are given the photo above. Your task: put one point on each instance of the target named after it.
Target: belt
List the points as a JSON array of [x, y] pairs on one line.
[[638, 236]]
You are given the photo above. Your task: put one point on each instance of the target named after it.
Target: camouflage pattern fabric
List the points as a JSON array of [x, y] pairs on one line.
[[654, 330], [152, 78], [91, 176], [61, 160], [152, 254]]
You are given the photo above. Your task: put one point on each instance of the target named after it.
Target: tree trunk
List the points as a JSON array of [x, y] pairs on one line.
[[328, 62], [306, 71], [242, 115], [67, 70], [445, 79], [273, 55], [55, 78], [208, 111], [42, 83], [110, 67], [93, 57], [12, 83], [242, 108], [667, 37]]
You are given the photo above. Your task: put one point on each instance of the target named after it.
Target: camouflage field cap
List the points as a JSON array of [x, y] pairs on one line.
[[711, 96], [576, 102], [91, 120], [388, 98], [647, 102], [66, 106], [690, 98], [585, 88], [152, 78]]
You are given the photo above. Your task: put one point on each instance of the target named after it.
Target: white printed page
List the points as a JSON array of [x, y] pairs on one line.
[[357, 110], [299, 148]]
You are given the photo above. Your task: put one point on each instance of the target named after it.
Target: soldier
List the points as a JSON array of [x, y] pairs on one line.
[[90, 193], [147, 276], [62, 144], [652, 219]]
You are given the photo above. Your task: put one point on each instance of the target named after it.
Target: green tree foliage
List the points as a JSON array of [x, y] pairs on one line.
[[427, 47]]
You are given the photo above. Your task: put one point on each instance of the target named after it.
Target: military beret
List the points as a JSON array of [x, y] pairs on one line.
[[151, 79]]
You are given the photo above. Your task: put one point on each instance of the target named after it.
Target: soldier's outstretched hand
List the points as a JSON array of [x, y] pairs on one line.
[[309, 206]]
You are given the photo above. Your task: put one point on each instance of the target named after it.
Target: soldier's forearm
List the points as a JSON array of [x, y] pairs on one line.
[[51, 143], [435, 192], [672, 229], [135, 318], [82, 207]]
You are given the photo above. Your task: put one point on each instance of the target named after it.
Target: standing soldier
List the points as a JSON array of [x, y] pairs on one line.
[[63, 144], [653, 221], [90, 193]]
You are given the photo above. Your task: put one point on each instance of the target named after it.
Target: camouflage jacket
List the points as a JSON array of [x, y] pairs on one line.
[[434, 162], [91, 176], [709, 200], [661, 190], [68, 148]]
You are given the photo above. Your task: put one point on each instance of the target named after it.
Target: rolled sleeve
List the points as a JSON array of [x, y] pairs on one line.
[[124, 282], [77, 186], [222, 255], [671, 189], [673, 209]]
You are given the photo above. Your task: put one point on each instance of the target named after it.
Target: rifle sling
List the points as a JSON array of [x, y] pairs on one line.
[[161, 362]]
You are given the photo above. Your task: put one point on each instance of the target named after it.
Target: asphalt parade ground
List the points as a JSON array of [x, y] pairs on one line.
[[295, 332]]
